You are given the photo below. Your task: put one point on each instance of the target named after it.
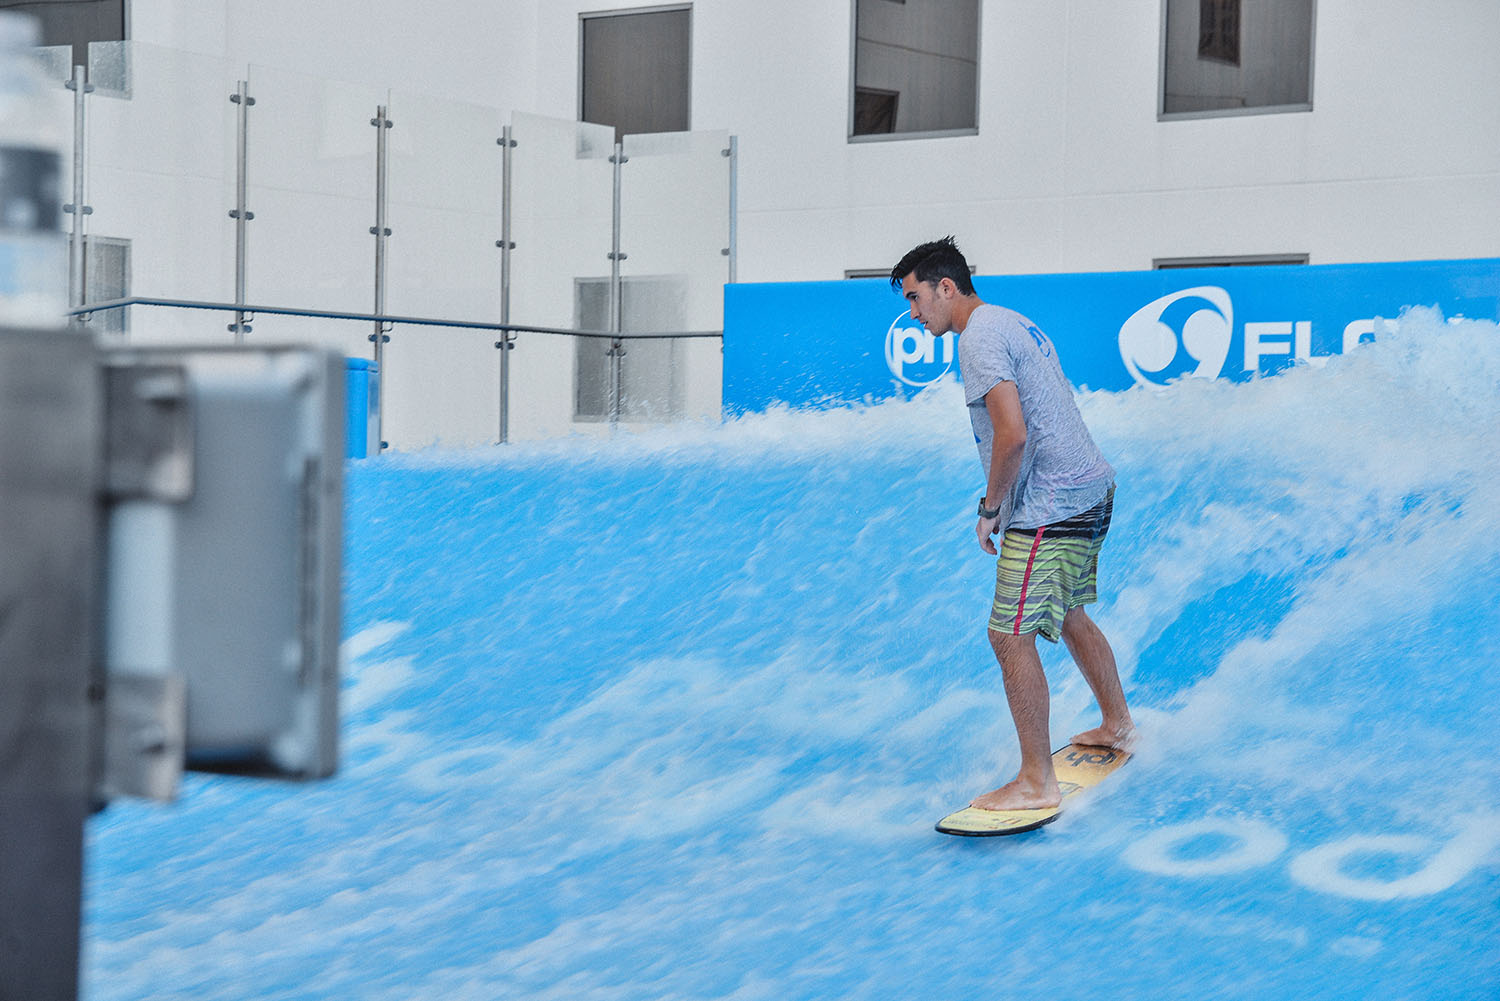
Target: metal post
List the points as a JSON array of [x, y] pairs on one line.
[[507, 341], [241, 213], [50, 403], [732, 251], [616, 345], [380, 337], [77, 293]]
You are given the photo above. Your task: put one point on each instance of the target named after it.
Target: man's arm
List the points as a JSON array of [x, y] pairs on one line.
[[1003, 403]]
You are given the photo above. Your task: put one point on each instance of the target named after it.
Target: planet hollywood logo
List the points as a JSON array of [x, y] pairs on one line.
[[913, 355]]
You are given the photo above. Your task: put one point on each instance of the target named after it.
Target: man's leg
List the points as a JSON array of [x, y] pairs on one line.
[[1092, 653], [1026, 691]]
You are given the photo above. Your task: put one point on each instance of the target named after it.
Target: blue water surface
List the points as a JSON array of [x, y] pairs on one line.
[[670, 715]]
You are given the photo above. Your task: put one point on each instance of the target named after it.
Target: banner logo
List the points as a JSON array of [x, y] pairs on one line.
[[913, 355], [1185, 333]]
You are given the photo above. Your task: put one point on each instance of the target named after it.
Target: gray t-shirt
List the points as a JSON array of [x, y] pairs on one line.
[[1062, 471]]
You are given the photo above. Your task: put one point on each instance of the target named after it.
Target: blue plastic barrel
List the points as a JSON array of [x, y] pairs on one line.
[[362, 403]]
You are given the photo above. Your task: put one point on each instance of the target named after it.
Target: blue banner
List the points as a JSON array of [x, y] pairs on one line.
[[823, 343]]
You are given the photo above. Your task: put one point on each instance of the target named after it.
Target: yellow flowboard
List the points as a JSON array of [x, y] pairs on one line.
[[1079, 767]]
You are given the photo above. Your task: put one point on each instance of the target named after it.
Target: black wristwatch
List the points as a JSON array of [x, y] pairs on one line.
[[985, 512]]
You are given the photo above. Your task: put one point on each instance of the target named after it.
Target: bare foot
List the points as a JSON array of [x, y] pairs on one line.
[[1121, 738], [1020, 796]]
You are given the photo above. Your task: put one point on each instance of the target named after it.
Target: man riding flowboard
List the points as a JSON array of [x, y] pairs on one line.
[[1048, 492]]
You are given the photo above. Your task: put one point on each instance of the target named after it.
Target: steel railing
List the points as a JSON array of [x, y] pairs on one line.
[[245, 311]]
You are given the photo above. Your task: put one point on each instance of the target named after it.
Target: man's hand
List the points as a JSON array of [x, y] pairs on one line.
[[986, 531], [1003, 403]]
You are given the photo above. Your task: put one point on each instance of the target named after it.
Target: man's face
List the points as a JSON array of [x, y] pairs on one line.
[[931, 303]]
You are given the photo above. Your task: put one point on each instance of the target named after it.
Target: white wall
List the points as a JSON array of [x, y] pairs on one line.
[[1070, 169], [483, 52]]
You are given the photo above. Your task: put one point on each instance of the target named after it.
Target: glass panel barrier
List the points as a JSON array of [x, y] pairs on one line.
[[56, 62], [445, 199], [444, 184], [162, 166], [562, 190], [441, 387], [311, 175], [162, 205], [675, 231]]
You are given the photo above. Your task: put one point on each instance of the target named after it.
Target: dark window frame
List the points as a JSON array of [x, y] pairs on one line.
[[37, 9], [852, 137], [1163, 115], [882, 272], [1227, 260], [666, 8]]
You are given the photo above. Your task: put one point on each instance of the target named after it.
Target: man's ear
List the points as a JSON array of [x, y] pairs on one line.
[[947, 287]]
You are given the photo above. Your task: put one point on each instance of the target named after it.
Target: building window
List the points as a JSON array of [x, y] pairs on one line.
[[635, 70], [875, 111], [1229, 57], [1219, 31], [915, 69], [879, 272], [74, 22], [652, 378], [106, 276], [1166, 263]]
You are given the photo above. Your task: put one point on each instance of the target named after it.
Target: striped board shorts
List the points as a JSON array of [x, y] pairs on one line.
[[1044, 572]]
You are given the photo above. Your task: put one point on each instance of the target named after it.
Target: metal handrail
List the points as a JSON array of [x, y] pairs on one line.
[[416, 321]]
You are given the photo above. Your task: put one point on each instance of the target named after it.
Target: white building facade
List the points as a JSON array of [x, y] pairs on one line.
[[1066, 136]]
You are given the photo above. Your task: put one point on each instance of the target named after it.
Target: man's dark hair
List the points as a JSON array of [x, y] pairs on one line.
[[931, 263]]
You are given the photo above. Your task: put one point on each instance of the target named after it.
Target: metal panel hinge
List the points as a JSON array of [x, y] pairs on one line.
[[145, 736], [148, 433]]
